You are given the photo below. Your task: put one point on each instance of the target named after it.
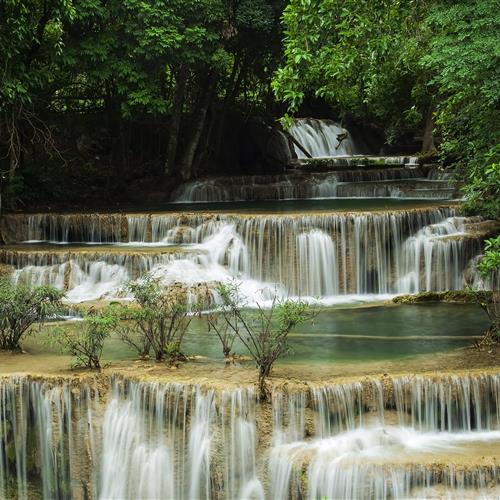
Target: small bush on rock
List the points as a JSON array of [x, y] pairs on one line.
[[22, 306], [159, 322], [85, 342]]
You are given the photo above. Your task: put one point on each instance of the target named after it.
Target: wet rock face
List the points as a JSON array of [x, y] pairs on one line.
[[122, 438]]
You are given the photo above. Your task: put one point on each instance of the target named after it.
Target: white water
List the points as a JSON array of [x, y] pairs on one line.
[[45, 437], [395, 182], [338, 257], [370, 462], [431, 258], [85, 276], [321, 138], [147, 433], [169, 440], [316, 257]]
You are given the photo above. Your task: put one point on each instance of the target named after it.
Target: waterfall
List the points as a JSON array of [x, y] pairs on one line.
[[316, 253], [383, 437], [321, 138], [44, 439], [455, 403], [355, 253], [59, 228], [137, 227], [288, 417], [189, 436], [355, 454], [450, 403], [432, 257], [324, 255], [337, 408], [341, 468], [83, 275], [368, 183]]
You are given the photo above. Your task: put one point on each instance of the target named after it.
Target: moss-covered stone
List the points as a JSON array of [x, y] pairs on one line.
[[454, 296], [342, 163], [5, 270]]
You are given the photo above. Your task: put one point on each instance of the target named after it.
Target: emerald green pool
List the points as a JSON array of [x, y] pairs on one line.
[[356, 334]]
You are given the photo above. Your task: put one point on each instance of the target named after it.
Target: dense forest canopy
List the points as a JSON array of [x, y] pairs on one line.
[[105, 92]]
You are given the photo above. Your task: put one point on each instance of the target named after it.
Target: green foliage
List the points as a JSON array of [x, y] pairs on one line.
[[21, 307], [465, 296], [482, 192], [360, 57], [31, 44], [490, 304], [173, 352], [223, 327], [463, 61], [395, 62], [160, 321], [131, 51], [490, 263], [67, 64], [31, 40], [263, 332], [86, 342]]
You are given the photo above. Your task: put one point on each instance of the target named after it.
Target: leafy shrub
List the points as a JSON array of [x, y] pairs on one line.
[[22, 306], [263, 332], [160, 321], [86, 342], [490, 262]]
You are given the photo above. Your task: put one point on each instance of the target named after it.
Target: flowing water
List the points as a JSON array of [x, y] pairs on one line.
[[339, 229], [333, 256], [382, 438], [333, 172], [321, 138], [398, 183]]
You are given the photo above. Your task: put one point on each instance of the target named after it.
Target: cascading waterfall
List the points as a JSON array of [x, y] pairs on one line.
[[316, 252], [83, 275], [432, 257], [137, 228], [343, 466], [318, 255], [371, 252], [355, 454], [82, 228], [321, 138], [171, 440], [45, 439], [361, 183], [199, 442]]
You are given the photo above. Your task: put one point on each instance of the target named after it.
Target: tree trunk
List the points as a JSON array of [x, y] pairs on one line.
[[264, 371], [175, 120], [428, 138], [236, 78], [192, 145], [13, 143], [204, 146]]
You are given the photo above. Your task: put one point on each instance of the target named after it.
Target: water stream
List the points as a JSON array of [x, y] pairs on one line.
[[337, 229], [383, 438], [330, 256]]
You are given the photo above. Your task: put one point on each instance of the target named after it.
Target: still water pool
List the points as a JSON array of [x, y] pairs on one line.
[[359, 334]]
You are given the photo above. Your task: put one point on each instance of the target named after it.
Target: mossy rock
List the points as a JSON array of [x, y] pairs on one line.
[[427, 157], [338, 164], [5, 270], [452, 296]]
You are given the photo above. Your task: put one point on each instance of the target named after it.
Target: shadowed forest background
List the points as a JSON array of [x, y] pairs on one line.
[[123, 100]]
